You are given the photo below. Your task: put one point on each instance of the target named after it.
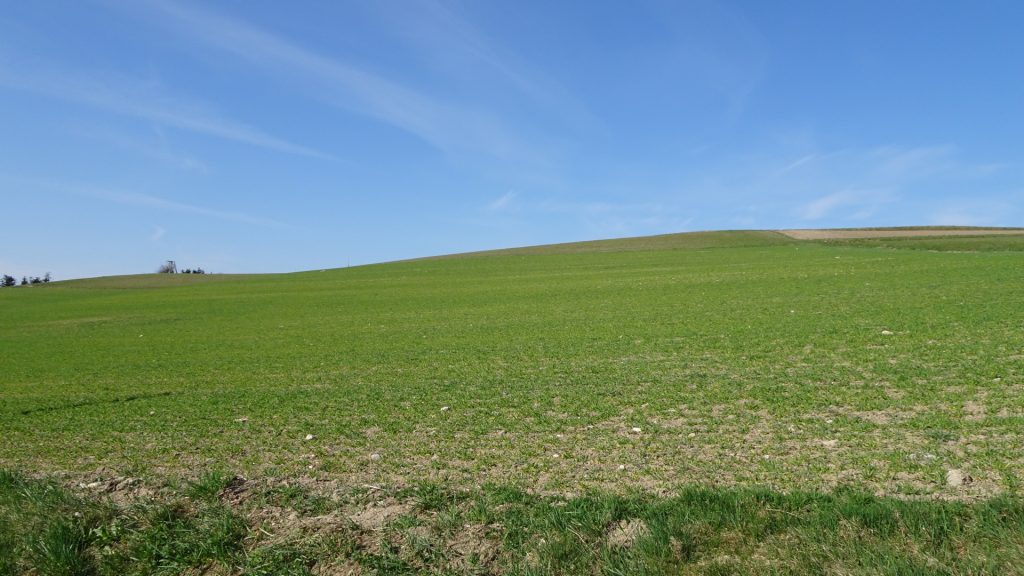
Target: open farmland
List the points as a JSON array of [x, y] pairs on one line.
[[627, 378], [947, 232]]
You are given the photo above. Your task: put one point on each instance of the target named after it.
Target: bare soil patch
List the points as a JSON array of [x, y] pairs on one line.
[[376, 517], [626, 533]]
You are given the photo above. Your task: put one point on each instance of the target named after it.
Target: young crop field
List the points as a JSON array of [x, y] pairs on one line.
[[728, 402]]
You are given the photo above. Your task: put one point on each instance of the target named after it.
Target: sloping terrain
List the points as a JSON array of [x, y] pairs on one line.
[[680, 241], [786, 364], [725, 361], [898, 232]]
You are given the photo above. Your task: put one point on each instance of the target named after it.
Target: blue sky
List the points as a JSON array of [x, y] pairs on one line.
[[266, 136]]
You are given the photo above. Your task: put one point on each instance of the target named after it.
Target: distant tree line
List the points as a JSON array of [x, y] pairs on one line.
[[8, 281], [170, 267]]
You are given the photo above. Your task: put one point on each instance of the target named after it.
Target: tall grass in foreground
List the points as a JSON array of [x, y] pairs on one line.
[[222, 525]]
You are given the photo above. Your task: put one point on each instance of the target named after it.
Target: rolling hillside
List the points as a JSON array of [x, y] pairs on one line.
[[725, 361]]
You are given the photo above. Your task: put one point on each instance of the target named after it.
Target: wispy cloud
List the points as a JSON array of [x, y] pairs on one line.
[[716, 49], [160, 151], [146, 100], [447, 126], [797, 163], [502, 202], [451, 43], [158, 233], [879, 184], [859, 204], [1002, 210], [157, 203], [917, 162], [141, 200], [600, 218]]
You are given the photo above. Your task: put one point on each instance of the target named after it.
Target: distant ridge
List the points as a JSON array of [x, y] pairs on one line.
[[677, 241], [897, 232]]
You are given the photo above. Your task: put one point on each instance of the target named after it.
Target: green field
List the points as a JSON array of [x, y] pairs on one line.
[[795, 389], [1012, 243]]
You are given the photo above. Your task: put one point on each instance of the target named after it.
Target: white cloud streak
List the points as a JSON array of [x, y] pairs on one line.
[[855, 184], [142, 201], [797, 163], [157, 203], [449, 42], [160, 151], [502, 202], [448, 127], [600, 218], [864, 203], [143, 100]]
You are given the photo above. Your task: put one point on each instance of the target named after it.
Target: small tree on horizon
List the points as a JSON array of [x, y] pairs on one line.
[[9, 281]]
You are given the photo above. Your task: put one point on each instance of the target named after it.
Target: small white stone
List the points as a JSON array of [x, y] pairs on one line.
[[637, 430], [445, 408], [555, 455], [691, 435], [886, 333], [622, 466], [309, 437], [374, 456], [152, 412]]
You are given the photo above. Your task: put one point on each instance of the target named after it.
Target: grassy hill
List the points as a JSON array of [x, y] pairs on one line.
[[680, 241], [811, 385]]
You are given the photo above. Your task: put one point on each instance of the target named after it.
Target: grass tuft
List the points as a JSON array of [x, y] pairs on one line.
[[63, 550], [210, 485]]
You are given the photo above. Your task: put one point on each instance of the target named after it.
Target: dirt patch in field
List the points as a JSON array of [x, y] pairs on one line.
[[283, 525], [852, 234], [343, 568], [974, 411], [626, 533], [120, 489], [473, 547], [374, 518]]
